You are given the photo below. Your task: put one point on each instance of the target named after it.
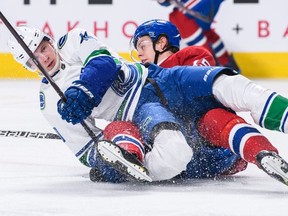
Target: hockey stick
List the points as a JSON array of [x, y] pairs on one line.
[[43, 71], [99, 123], [195, 14], [28, 134]]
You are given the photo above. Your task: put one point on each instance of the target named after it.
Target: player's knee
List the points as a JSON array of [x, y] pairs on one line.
[[174, 152], [216, 125]]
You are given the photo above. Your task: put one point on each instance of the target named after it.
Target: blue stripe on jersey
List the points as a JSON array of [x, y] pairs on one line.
[[238, 136], [219, 48], [55, 129], [283, 123], [263, 114], [88, 145], [127, 109]]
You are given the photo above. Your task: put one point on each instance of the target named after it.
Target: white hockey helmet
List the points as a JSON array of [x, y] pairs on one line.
[[32, 38]]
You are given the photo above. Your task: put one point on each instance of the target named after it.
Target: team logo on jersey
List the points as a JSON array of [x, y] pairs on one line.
[[62, 41], [121, 85], [42, 100], [85, 37]]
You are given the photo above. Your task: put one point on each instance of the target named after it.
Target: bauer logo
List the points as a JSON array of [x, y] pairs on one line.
[[42, 100]]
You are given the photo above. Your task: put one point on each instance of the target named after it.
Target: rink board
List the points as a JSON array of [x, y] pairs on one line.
[[253, 65]]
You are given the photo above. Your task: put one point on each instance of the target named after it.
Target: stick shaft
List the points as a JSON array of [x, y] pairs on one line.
[[43, 71]]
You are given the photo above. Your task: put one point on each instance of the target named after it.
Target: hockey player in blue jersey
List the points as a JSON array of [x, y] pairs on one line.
[[194, 20], [96, 82], [180, 93], [158, 41]]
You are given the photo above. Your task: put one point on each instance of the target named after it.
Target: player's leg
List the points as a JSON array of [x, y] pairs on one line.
[[226, 129], [220, 52], [123, 149], [268, 108], [169, 151], [126, 135]]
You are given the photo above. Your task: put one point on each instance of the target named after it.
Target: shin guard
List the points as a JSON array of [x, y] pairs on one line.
[[225, 129]]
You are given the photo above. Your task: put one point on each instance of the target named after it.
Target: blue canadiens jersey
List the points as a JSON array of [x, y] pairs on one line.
[[188, 90]]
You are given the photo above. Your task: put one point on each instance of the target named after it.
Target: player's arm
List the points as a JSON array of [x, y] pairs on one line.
[[87, 92]]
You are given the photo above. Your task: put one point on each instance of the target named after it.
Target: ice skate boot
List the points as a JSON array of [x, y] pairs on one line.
[[275, 166], [123, 161]]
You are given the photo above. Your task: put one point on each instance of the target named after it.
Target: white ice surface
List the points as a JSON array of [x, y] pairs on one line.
[[42, 177]]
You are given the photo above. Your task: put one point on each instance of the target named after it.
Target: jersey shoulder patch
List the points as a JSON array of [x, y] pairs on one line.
[[62, 41], [42, 101]]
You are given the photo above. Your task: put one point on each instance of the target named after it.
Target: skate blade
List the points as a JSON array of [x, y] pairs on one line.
[[113, 155], [276, 168]]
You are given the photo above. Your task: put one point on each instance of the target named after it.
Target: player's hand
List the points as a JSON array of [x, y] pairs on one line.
[[79, 105]]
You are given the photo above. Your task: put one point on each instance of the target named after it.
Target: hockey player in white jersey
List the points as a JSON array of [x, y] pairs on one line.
[[76, 55]]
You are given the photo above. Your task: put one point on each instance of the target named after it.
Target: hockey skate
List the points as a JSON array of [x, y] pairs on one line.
[[275, 166], [123, 161]]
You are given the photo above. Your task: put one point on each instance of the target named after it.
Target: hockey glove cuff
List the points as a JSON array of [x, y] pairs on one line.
[[80, 103]]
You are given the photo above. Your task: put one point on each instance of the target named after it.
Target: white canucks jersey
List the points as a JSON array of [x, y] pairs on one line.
[[119, 101]]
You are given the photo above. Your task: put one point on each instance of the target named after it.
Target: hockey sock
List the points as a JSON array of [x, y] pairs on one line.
[[275, 113], [127, 136], [218, 47], [226, 129]]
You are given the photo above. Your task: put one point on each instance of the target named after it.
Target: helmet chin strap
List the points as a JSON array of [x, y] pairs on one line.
[[157, 53]]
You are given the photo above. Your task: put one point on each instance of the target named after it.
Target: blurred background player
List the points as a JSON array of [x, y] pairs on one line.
[[194, 18]]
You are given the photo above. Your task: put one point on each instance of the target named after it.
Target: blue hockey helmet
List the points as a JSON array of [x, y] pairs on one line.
[[155, 28]]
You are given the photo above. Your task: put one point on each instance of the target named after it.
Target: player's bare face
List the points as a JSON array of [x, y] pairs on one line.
[[46, 55], [145, 49]]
